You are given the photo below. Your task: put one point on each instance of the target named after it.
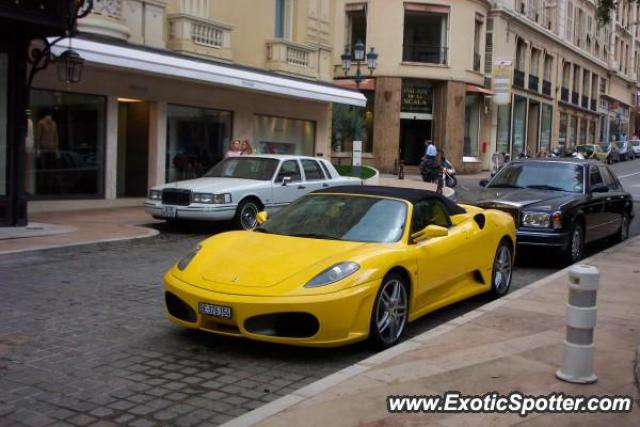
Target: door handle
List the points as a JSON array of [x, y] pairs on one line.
[[301, 187], [325, 185]]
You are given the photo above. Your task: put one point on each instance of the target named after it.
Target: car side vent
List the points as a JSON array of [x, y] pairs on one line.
[[480, 220], [477, 276]]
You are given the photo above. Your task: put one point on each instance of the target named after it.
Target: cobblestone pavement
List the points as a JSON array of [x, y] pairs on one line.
[[84, 341]]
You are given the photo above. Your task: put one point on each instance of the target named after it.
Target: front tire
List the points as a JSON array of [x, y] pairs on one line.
[[390, 312], [245, 218], [451, 181], [502, 271], [575, 249]]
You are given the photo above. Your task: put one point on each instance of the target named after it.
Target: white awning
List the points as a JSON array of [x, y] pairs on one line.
[[169, 64]]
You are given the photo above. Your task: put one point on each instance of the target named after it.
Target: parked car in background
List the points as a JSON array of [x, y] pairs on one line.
[[635, 146], [560, 203], [624, 150], [592, 151], [613, 155], [237, 188]]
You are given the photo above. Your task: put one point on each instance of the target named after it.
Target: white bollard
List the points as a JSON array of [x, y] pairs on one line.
[[577, 365]]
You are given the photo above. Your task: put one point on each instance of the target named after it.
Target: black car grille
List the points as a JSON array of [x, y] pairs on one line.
[[176, 197]]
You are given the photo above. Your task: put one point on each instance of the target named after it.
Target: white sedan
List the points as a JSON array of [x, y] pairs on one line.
[[238, 188], [635, 147]]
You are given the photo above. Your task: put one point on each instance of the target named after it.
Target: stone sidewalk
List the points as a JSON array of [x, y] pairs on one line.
[[512, 344]]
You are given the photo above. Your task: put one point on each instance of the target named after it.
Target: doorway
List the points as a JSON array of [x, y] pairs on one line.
[[413, 134], [133, 148]]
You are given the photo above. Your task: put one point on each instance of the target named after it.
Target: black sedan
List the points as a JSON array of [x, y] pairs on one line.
[[560, 203]]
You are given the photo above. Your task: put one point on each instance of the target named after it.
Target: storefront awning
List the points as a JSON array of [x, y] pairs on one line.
[[159, 62], [478, 89]]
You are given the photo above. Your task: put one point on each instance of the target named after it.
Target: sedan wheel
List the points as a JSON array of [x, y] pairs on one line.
[[623, 232], [389, 316], [576, 246], [502, 270], [246, 215]]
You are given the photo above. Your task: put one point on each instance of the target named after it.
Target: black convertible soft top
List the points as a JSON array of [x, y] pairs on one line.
[[411, 195]]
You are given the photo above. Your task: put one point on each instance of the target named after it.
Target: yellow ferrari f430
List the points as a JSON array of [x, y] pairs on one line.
[[342, 265]]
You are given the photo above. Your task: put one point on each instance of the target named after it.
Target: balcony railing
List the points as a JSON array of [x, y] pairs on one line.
[[289, 57], [594, 105], [546, 87], [575, 98], [199, 36], [585, 102], [107, 19], [425, 53], [534, 83], [518, 78], [477, 59], [564, 94]]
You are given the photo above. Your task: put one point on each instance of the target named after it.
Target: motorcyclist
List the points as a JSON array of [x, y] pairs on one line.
[[430, 167]]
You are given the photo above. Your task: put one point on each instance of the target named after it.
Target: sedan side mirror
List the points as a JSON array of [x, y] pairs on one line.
[[261, 217], [286, 180], [430, 231], [483, 182]]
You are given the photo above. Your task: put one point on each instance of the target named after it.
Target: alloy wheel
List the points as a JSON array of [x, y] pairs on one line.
[[502, 270], [576, 244], [624, 228], [248, 216], [391, 311]]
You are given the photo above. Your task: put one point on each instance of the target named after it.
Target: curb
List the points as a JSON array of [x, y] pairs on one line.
[[315, 388]]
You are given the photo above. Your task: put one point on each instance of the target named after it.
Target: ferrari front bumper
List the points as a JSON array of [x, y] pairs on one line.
[[341, 317]]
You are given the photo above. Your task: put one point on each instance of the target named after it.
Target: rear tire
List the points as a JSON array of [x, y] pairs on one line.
[[574, 251], [623, 232], [502, 271], [245, 218], [390, 312]]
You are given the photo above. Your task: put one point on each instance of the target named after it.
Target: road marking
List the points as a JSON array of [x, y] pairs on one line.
[[628, 175]]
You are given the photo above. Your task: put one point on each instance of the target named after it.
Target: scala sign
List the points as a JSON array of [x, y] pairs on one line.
[[502, 72]]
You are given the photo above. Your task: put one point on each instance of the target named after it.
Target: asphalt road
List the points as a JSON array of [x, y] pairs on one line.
[[83, 338]]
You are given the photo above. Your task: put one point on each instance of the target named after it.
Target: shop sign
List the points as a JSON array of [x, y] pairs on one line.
[[502, 75], [417, 99]]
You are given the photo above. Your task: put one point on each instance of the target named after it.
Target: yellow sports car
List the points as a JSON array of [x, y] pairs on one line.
[[342, 265]]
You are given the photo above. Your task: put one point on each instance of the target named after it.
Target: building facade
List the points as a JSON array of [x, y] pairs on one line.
[[570, 80], [167, 85]]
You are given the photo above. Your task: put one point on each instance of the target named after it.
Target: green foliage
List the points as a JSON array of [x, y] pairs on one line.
[[604, 9], [347, 170], [343, 123]]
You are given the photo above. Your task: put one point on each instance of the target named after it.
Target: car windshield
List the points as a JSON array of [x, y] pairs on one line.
[[620, 145], [635, 143], [340, 217], [556, 176], [244, 167], [584, 149]]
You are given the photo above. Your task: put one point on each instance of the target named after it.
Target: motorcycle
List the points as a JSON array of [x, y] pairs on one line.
[[430, 170], [449, 174]]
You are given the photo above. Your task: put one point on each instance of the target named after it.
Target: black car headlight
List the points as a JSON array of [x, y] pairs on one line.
[[184, 262], [536, 219], [216, 199], [154, 195], [333, 274]]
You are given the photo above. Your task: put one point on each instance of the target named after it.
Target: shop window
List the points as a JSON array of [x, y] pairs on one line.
[[197, 139], [519, 123], [592, 133], [425, 34], [502, 136], [65, 145], [573, 132], [562, 136], [471, 126], [344, 123], [582, 136], [279, 135], [4, 71], [545, 127]]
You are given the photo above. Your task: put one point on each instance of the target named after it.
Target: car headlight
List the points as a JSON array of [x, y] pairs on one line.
[[184, 262], [154, 195], [215, 199], [333, 274], [536, 219]]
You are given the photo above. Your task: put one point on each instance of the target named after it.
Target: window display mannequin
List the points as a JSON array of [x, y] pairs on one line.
[[47, 135]]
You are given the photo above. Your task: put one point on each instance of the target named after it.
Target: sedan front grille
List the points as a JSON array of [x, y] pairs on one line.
[[176, 197]]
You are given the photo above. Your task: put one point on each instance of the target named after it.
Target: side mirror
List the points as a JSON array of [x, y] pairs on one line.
[[600, 189], [430, 231], [286, 180], [483, 182], [261, 217]]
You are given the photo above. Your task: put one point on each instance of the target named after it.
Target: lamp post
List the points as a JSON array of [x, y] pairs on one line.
[[358, 55]]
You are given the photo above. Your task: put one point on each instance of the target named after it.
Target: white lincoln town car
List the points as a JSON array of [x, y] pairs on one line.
[[238, 188]]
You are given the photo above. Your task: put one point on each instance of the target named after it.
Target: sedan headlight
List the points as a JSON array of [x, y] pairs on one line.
[[184, 262], [215, 199], [333, 274], [154, 195], [536, 219]]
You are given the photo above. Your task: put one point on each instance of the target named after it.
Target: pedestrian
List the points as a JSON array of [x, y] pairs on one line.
[[235, 149], [431, 152], [246, 148]]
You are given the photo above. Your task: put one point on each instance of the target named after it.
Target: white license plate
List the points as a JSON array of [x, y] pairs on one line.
[[214, 310], [169, 212]]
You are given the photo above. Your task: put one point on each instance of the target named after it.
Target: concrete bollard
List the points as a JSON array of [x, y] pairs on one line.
[[577, 365]]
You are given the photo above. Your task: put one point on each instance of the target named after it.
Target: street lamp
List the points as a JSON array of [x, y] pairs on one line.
[[69, 65]]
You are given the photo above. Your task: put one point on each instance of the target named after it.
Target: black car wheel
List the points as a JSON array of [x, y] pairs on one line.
[[246, 215], [390, 312], [575, 249], [502, 270], [451, 181]]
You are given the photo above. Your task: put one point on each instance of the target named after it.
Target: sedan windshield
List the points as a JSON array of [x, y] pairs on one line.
[[541, 176], [340, 217], [244, 167]]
